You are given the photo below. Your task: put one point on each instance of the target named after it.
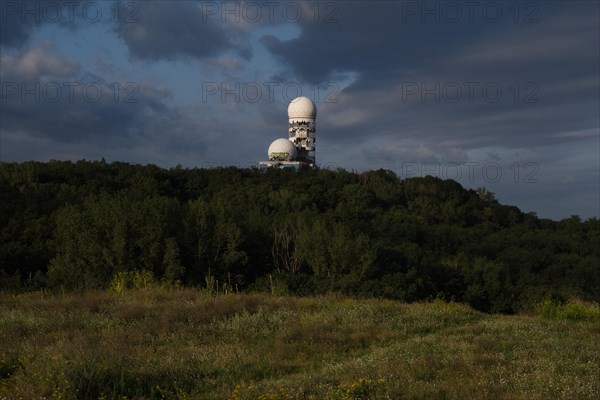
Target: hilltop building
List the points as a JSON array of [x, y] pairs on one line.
[[298, 150]]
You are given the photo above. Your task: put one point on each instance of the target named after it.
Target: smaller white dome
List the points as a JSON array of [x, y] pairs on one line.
[[282, 150], [302, 107]]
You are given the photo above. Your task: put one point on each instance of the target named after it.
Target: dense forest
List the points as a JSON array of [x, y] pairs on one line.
[[75, 226]]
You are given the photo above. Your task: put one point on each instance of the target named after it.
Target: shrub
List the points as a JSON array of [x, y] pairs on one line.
[[140, 279], [575, 310]]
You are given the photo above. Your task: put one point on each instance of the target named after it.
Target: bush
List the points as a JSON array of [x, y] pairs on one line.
[[140, 279], [574, 310]]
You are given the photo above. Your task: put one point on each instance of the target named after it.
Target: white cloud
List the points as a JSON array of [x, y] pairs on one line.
[[40, 63]]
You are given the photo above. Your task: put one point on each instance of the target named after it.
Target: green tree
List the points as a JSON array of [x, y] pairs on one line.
[[286, 257], [332, 250], [174, 271], [218, 238]]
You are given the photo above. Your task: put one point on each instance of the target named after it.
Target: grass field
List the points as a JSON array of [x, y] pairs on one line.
[[187, 344]]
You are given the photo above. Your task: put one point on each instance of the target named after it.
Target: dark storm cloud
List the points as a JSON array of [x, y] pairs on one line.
[[168, 30], [409, 69], [386, 42], [20, 18], [152, 30], [50, 98], [371, 38], [13, 31]]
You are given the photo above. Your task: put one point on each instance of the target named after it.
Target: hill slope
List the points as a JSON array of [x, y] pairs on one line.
[[76, 226]]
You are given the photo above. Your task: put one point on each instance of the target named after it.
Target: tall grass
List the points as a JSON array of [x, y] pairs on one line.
[[574, 310], [188, 344]]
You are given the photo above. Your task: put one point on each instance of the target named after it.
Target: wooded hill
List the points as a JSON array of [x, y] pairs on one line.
[[76, 226]]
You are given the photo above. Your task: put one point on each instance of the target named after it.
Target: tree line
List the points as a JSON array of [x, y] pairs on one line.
[[75, 226]]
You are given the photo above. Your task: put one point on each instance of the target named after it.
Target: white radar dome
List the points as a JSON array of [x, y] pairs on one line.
[[302, 107], [282, 150]]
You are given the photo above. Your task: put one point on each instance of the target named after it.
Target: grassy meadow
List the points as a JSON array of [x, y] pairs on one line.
[[188, 344]]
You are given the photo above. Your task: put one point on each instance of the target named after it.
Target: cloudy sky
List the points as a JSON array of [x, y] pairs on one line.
[[500, 94]]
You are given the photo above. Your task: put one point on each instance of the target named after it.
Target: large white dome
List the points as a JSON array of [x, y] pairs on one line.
[[282, 150], [302, 107]]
